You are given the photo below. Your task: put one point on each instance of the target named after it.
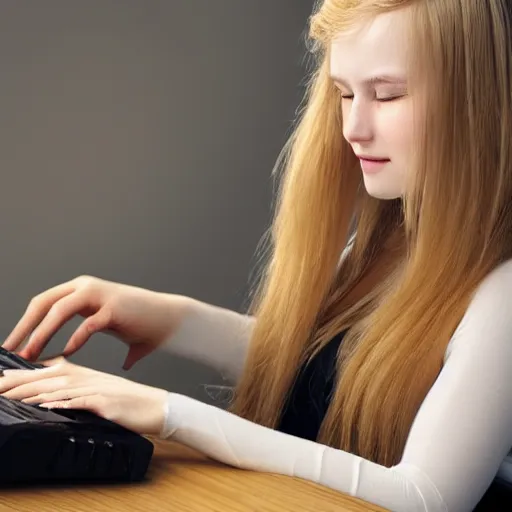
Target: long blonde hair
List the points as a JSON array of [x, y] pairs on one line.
[[450, 229]]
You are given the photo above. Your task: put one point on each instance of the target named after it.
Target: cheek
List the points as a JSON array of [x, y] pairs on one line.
[[396, 128], [345, 112]]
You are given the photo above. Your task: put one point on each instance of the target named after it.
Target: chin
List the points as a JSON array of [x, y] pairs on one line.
[[383, 194], [387, 184]]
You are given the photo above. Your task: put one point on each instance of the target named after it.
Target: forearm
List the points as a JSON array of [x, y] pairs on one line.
[[237, 442], [214, 336]]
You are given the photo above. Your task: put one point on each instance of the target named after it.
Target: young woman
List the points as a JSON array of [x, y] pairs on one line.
[[384, 374]]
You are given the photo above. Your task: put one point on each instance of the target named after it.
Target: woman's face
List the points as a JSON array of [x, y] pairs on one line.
[[369, 67]]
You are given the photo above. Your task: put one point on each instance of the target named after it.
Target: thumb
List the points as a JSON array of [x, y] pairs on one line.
[[135, 353], [53, 361]]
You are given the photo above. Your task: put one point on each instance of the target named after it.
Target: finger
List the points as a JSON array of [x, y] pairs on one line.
[[93, 403], [35, 312], [60, 395], [60, 312], [16, 377], [135, 353], [21, 390], [95, 323]]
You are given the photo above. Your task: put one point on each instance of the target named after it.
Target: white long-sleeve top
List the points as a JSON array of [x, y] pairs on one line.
[[458, 442]]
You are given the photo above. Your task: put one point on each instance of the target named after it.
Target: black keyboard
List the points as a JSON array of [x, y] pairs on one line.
[[65, 445]]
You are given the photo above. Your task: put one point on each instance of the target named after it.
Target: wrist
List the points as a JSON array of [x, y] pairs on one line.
[[171, 418], [178, 308], [157, 411]]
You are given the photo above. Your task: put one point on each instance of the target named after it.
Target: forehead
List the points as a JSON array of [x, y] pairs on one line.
[[378, 43]]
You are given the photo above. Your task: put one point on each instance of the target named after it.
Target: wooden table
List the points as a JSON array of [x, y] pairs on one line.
[[180, 479]]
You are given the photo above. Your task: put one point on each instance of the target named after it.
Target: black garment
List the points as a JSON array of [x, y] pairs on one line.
[[309, 399]]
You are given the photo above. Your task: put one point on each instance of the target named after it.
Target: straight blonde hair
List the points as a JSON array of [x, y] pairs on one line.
[[450, 229]]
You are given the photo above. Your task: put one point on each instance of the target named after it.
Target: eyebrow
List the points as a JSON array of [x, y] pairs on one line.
[[375, 80]]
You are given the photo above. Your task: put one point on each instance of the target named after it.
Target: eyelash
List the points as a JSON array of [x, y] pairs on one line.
[[382, 100]]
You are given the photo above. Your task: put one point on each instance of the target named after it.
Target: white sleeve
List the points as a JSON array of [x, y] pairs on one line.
[[459, 438], [214, 336]]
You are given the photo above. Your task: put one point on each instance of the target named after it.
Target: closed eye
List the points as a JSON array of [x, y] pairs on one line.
[[383, 100], [389, 98]]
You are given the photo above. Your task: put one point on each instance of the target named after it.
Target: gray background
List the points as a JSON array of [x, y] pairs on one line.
[[137, 142]]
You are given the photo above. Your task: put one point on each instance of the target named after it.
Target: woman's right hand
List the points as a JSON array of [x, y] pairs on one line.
[[141, 318]]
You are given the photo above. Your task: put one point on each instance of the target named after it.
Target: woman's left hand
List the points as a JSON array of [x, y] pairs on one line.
[[135, 406]]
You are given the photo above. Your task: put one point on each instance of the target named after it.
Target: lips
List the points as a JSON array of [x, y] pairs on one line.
[[373, 159], [372, 165]]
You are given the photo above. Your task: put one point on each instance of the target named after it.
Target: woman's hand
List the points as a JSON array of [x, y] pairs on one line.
[[141, 318], [135, 406]]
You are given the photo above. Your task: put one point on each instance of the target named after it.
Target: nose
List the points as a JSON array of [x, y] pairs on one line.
[[357, 123]]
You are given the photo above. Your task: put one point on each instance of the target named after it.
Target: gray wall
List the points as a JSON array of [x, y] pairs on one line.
[[137, 142]]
